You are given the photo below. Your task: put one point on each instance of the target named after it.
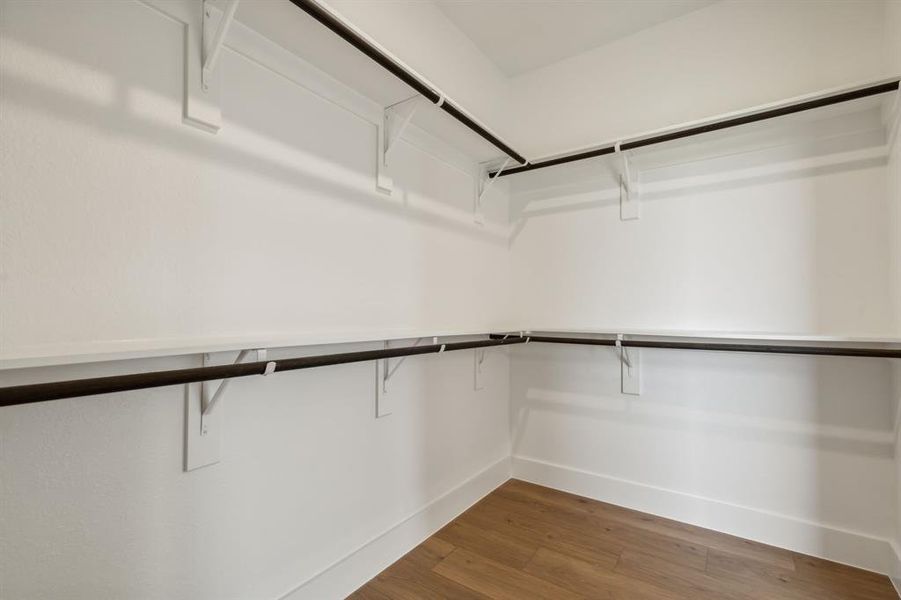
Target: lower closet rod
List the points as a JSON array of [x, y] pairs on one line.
[[722, 346], [55, 390]]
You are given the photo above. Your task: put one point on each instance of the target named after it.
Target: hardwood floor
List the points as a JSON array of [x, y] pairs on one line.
[[526, 541]]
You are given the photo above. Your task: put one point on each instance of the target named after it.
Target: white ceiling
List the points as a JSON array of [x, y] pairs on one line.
[[522, 35]]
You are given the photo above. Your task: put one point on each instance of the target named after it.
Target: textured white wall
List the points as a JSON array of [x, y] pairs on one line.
[[755, 242], [765, 51], [806, 438], [121, 224], [725, 57], [893, 180], [95, 503], [425, 39], [787, 254], [151, 230]]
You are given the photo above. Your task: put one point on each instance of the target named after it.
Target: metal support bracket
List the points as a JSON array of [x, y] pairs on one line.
[[384, 371], [479, 356], [214, 37], [630, 363], [205, 33], [210, 401], [629, 195], [203, 423], [395, 120], [484, 184]]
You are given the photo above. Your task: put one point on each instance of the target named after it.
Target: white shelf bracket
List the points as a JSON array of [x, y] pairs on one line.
[[384, 371], [478, 360], [484, 184], [205, 31], [893, 122], [630, 363], [209, 402], [214, 37], [395, 120], [629, 196], [203, 423]]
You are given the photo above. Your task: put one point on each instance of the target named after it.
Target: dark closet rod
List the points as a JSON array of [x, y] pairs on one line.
[[763, 115], [768, 348], [41, 392], [354, 39], [312, 8]]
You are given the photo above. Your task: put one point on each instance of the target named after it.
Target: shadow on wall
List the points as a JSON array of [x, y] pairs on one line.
[[844, 137], [300, 140], [808, 437], [790, 247]]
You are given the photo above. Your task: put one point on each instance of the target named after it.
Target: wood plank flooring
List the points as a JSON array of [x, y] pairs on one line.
[[525, 541]]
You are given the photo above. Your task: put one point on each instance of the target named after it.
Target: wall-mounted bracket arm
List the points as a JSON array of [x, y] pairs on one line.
[[484, 184], [395, 120], [478, 359], [205, 32], [629, 196], [214, 38], [208, 402], [630, 361], [623, 352], [203, 423], [384, 371]]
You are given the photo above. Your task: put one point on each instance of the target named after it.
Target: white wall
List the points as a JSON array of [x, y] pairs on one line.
[[765, 51], [121, 225], [96, 505], [422, 36], [792, 451], [152, 230], [725, 57], [893, 180], [784, 253]]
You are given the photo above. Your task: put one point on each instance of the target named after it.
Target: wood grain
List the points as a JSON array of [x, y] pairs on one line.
[[525, 541]]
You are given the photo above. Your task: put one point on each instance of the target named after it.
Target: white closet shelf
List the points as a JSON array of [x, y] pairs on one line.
[[724, 336], [56, 390], [69, 354], [827, 122], [860, 129], [294, 30], [47, 355]]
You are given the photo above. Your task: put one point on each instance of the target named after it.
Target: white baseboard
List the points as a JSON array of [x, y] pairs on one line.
[[895, 573], [367, 561], [815, 539]]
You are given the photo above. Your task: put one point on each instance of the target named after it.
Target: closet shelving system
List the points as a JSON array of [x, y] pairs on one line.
[[715, 136]]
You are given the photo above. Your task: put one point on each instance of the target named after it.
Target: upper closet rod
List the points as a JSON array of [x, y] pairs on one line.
[[316, 11], [763, 115], [40, 392], [767, 348]]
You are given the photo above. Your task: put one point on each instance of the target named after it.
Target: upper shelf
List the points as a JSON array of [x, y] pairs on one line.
[[299, 33], [848, 130], [700, 335], [324, 39]]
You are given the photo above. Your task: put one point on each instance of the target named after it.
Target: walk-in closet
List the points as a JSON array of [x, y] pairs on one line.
[[463, 299]]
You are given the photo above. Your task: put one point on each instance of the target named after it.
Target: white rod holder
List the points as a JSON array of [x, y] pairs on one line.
[[623, 352]]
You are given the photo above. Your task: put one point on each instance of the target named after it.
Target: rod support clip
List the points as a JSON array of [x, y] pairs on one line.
[[622, 350], [629, 207]]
